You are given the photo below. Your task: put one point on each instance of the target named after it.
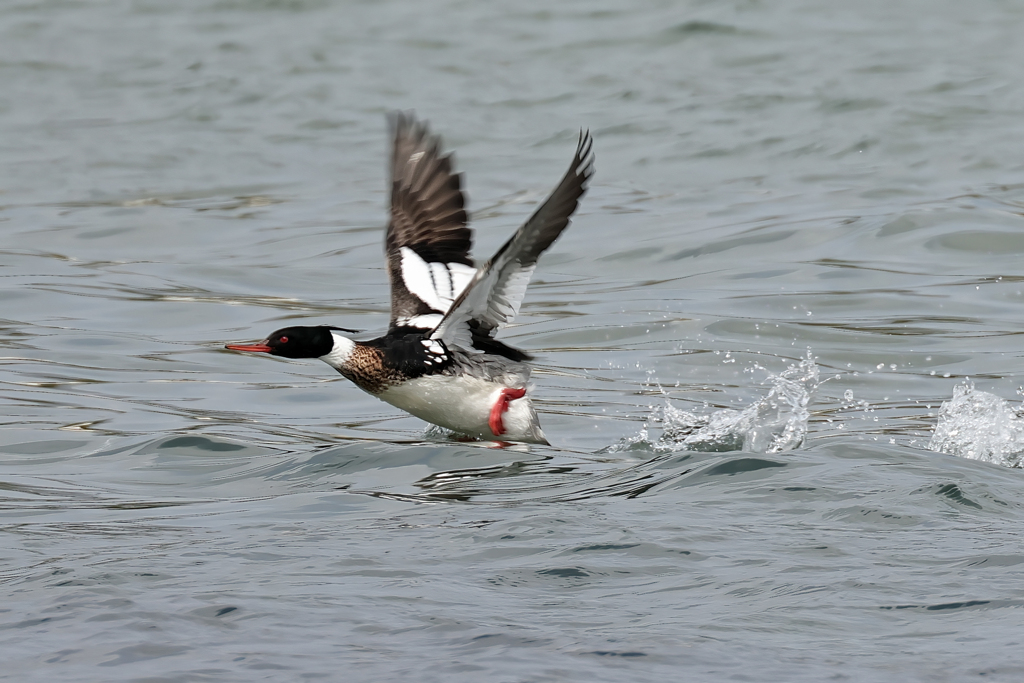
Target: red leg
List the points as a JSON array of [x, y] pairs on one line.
[[500, 406]]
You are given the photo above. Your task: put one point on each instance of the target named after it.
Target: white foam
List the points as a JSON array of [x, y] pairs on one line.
[[775, 423], [979, 426]]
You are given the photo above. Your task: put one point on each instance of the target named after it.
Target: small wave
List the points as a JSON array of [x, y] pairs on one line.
[[979, 426], [775, 423]]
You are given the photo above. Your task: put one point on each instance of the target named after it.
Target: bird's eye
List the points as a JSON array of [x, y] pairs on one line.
[[284, 340]]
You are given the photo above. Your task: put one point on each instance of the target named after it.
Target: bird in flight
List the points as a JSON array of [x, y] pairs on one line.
[[440, 360]]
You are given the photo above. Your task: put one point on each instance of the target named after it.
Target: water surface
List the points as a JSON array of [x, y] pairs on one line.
[[804, 237]]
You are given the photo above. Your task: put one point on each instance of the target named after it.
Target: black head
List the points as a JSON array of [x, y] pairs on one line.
[[294, 342]]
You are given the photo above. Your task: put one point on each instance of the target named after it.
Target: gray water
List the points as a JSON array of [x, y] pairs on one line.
[[778, 349]]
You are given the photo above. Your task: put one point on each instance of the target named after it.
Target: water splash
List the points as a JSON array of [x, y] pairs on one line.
[[775, 423], [979, 426]]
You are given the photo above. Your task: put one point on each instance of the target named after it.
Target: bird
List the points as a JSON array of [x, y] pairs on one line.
[[439, 359]]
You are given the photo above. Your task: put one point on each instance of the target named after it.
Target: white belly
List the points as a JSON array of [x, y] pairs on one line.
[[463, 404]]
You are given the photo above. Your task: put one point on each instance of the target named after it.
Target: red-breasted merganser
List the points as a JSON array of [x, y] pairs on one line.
[[439, 359]]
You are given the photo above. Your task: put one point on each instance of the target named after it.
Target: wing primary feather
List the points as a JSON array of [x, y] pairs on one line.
[[492, 298], [428, 217]]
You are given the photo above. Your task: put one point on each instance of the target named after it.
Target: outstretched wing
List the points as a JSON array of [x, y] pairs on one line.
[[493, 296], [427, 241]]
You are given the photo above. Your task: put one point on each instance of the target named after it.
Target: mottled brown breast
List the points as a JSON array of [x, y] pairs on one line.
[[366, 368]]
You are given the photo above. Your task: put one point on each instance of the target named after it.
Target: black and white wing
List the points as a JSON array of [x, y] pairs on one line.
[[493, 296], [427, 242]]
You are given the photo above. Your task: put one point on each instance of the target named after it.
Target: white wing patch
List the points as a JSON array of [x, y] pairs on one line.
[[461, 277], [427, 321], [417, 277], [442, 280], [435, 284]]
